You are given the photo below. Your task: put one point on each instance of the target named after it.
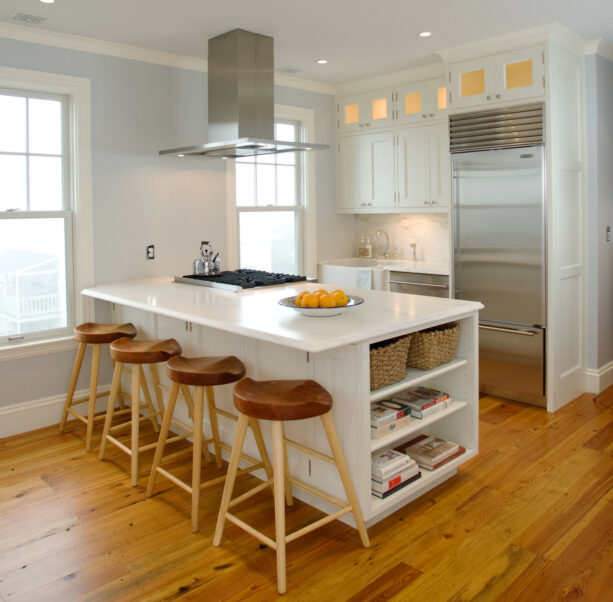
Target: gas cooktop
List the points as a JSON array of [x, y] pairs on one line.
[[239, 280]]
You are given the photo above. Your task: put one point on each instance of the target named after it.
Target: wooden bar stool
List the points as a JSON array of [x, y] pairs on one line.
[[278, 401], [136, 353], [203, 373], [96, 335]]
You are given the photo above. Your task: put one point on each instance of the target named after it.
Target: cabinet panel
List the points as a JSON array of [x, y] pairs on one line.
[[413, 165], [440, 166], [521, 73], [365, 171]]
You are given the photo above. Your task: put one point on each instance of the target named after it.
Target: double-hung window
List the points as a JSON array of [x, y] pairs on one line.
[[273, 211], [38, 198]]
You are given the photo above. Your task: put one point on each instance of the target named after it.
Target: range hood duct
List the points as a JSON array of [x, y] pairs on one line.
[[241, 100]]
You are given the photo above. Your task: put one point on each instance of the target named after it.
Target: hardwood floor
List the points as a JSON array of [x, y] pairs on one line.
[[530, 518]]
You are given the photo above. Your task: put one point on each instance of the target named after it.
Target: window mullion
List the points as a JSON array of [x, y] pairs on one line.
[[27, 154]]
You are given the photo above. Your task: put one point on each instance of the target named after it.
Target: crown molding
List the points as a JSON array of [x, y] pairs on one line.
[[304, 84], [24, 33], [397, 78], [602, 47], [554, 32]]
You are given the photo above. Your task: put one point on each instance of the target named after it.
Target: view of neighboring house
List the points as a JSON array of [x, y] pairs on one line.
[[32, 292]]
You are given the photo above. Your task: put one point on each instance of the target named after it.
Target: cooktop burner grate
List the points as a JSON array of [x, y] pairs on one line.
[[240, 279]]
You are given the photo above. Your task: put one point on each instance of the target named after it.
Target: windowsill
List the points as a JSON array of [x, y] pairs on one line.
[[35, 348]]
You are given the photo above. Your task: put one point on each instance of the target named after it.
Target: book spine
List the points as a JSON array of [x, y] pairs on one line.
[[395, 489], [377, 421], [387, 484], [383, 472], [427, 411], [386, 429]]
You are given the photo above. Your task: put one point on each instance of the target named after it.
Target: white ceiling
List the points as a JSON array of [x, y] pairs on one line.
[[360, 38]]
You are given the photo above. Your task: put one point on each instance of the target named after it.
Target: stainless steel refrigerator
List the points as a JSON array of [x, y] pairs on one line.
[[499, 250]]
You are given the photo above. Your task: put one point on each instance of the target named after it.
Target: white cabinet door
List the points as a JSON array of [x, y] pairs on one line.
[[440, 166], [471, 83], [365, 112], [413, 167], [420, 102], [365, 171]]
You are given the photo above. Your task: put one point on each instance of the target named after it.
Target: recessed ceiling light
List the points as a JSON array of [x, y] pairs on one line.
[[322, 61], [48, 1], [425, 34], [180, 155]]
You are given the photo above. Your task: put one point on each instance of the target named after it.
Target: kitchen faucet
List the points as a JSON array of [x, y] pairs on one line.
[[388, 251]]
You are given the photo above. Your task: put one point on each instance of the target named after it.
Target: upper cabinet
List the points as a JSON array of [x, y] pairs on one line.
[[421, 102], [364, 112], [499, 78]]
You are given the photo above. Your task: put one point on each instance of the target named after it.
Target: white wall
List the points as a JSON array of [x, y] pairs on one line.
[[140, 198]]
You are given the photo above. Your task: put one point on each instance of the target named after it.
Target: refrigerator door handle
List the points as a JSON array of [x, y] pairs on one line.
[[523, 333]]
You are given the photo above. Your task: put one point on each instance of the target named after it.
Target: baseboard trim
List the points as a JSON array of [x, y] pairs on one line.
[[31, 415], [596, 381]]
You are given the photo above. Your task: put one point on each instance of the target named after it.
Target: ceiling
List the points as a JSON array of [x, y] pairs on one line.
[[360, 38]]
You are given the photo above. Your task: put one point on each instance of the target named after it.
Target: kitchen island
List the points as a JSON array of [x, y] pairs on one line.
[[277, 342]]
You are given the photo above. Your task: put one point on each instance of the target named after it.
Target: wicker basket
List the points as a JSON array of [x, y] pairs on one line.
[[388, 361], [433, 346]]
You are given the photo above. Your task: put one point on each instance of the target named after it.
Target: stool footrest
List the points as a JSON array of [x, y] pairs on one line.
[[176, 455], [318, 523], [119, 444], [310, 451], [226, 414], [123, 425], [243, 525], [243, 456], [250, 493], [77, 416], [83, 399], [319, 493], [222, 478], [174, 479]]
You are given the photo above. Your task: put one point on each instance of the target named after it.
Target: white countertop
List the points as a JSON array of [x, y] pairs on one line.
[[256, 313], [399, 265]]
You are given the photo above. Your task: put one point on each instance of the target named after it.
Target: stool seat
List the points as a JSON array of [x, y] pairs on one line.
[[128, 351], [205, 371], [281, 399], [98, 334]]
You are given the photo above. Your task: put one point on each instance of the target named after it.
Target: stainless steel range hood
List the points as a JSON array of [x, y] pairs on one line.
[[241, 100]]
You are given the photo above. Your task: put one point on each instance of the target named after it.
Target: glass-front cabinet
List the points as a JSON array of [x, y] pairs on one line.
[[420, 102], [364, 112], [503, 77]]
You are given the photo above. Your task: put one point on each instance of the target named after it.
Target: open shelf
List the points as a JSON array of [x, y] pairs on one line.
[[416, 425], [415, 377], [421, 485]]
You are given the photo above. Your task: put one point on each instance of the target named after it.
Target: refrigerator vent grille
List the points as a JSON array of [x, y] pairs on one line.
[[500, 128]]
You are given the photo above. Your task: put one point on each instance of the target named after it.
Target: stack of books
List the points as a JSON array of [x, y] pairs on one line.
[[431, 452], [392, 470], [387, 416], [423, 401]]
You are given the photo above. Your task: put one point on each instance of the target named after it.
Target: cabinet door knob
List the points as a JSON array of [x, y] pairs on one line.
[[488, 98], [424, 115], [431, 114], [498, 96]]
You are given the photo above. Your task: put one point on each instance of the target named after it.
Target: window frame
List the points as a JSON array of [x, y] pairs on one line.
[[307, 259], [78, 214]]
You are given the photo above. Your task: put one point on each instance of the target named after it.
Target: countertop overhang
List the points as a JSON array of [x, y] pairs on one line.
[[256, 313]]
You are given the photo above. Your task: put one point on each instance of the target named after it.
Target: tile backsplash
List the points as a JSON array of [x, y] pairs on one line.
[[430, 232]]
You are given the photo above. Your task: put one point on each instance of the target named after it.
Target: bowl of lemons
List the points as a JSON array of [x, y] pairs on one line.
[[321, 303]]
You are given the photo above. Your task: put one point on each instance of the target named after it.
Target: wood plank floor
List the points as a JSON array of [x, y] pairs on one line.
[[530, 518]]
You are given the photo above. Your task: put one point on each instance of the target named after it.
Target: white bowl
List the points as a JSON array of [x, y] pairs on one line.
[[321, 312]]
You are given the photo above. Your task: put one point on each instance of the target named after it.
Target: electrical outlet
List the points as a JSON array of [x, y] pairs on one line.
[[150, 251], [608, 233]]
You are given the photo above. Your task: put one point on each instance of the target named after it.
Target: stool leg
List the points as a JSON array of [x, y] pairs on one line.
[[155, 379], [210, 400], [278, 462], [237, 448], [343, 471], [110, 407], [137, 374], [143, 384], [289, 499], [259, 440], [93, 387], [197, 454], [122, 405], [190, 408], [159, 450], [73, 383]]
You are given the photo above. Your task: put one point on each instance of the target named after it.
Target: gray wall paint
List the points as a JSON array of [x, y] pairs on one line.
[[599, 112], [141, 198]]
